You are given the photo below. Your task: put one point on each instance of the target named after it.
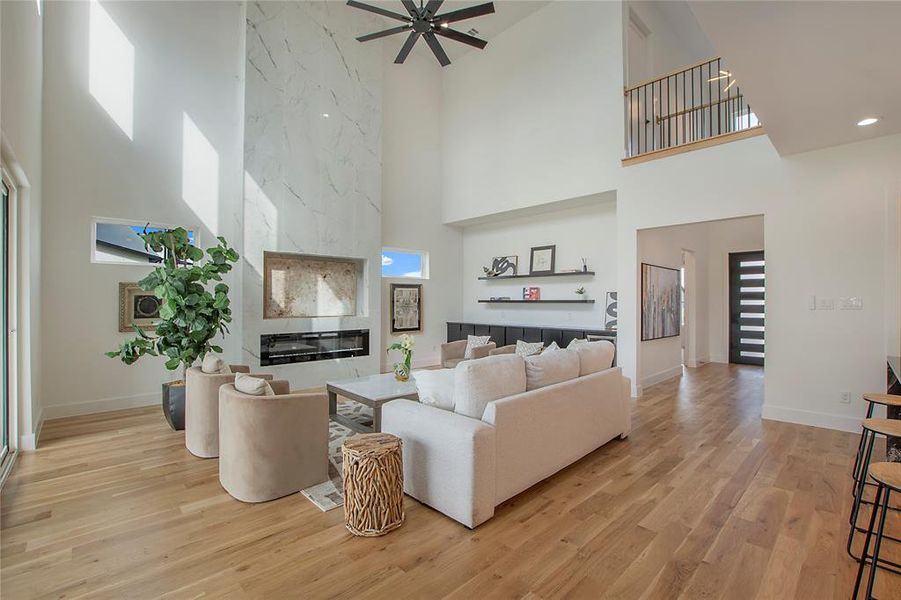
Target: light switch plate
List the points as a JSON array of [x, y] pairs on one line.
[[825, 304]]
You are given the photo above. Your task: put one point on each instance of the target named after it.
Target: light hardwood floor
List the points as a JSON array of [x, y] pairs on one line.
[[704, 500]]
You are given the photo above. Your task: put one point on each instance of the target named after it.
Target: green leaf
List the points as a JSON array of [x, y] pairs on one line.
[[173, 363]]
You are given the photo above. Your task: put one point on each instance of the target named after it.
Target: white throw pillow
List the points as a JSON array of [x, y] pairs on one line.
[[552, 347], [473, 341], [549, 368], [528, 348], [253, 386], [212, 364], [478, 382], [435, 387], [576, 342], [594, 356]]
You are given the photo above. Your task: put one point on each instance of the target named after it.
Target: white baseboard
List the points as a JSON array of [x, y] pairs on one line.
[[661, 376], [29, 441], [809, 417], [90, 407]]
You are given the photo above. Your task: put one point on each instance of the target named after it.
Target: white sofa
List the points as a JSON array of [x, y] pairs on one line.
[[465, 466]]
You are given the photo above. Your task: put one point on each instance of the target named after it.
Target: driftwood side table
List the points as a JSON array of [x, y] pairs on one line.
[[373, 484]]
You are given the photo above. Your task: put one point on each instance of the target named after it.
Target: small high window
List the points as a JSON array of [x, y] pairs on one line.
[[405, 263], [118, 242]]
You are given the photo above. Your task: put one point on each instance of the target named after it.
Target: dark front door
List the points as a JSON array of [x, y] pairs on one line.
[[747, 302]]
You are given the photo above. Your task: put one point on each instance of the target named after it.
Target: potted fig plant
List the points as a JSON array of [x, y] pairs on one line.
[[190, 314]]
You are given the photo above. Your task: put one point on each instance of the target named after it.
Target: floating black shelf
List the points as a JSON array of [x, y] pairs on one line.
[[536, 301], [528, 276]]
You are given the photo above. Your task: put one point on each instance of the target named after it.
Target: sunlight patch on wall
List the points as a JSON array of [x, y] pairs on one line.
[[111, 68], [200, 175], [260, 224]]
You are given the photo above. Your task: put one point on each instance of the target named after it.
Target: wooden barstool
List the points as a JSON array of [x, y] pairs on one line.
[[871, 428], [888, 479], [872, 399]]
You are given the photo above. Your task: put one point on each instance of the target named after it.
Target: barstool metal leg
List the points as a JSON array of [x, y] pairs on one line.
[[866, 546], [854, 471], [861, 482], [878, 542]]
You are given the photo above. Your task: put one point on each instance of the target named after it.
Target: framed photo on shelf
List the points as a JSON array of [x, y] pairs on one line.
[[406, 307], [531, 293], [542, 259], [137, 307]]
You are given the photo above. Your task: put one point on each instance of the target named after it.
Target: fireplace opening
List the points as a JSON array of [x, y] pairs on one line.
[[286, 348]]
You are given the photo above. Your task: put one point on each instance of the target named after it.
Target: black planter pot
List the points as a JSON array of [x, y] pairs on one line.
[[174, 404]]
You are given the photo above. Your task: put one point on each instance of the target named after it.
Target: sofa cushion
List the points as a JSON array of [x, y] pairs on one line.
[[435, 387], [528, 348], [213, 365], [594, 357], [253, 386], [478, 382], [549, 368], [573, 343], [474, 340], [552, 347]]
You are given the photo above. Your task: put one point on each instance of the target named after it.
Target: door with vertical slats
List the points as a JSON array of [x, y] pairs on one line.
[[747, 307]]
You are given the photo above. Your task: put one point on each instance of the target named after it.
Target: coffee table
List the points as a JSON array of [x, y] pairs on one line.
[[371, 390]]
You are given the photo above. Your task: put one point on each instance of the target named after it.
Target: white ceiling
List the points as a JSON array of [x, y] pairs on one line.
[[506, 14], [812, 70]]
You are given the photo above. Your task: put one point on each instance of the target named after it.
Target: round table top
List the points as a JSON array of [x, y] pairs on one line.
[[890, 427], [884, 399], [887, 473]]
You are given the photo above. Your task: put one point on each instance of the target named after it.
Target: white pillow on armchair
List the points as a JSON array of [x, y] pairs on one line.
[[473, 341]]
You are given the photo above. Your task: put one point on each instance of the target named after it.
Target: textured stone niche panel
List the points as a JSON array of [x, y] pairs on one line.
[[303, 285]]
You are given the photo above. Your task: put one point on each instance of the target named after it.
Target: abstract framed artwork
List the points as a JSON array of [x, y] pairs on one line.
[[610, 312], [406, 307], [137, 307], [660, 302], [504, 265]]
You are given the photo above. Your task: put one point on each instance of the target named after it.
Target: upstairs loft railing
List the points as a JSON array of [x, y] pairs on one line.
[[697, 103]]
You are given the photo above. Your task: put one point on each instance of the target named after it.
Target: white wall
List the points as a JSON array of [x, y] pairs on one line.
[[587, 230], [711, 242], [675, 39], [824, 215], [20, 121], [411, 197], [537, 116], [188, 60]]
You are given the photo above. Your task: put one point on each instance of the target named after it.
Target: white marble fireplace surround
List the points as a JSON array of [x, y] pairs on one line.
[[312, 160]]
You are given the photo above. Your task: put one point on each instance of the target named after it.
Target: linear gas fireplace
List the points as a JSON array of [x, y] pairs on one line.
[[285, 348]]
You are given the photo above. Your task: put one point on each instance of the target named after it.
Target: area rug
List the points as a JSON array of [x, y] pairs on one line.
[[329, 495]]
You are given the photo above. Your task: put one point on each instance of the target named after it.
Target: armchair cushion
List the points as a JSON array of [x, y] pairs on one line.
[[508, 349], [473, 341], [528, 348], [252, 386]]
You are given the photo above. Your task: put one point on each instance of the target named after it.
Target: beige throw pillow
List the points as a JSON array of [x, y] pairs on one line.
[[576, 342], [435, 387], [549, 368], [253, 386], [594, 356], [552, 347], [528, 348], [478, 382], [213, 365], [473, 341]]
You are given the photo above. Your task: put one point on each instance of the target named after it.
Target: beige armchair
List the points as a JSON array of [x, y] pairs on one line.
[[272, 446], [202, 408], [452, 352], [508, 349]]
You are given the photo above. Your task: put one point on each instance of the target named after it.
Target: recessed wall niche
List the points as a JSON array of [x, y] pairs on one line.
[[309, 285]]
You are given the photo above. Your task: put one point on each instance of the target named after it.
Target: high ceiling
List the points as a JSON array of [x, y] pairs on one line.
[[812, 70], [507, 13]]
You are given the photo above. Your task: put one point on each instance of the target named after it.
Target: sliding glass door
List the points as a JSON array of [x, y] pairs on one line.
[[4, 323]]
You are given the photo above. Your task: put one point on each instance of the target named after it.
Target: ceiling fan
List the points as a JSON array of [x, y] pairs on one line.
[[423, 21]]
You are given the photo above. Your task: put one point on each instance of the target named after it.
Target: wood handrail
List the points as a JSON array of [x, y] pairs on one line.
[[628, 89], [660, 119]]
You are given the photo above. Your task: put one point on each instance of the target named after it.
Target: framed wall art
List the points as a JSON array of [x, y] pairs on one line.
[[137, 307], [541, 260], [660, 302], [406, 307]]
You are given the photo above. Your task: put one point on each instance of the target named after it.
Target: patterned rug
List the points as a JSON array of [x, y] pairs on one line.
[[330, 494]]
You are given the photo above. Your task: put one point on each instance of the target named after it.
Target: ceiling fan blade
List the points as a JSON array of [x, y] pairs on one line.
[[405, 49], [466, 13], [387, 32], [461, 37], [411, 8], [437, 50], [431, 8], [377, 10]]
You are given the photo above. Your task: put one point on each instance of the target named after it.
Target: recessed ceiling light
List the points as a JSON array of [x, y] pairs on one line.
[[867, 121]]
